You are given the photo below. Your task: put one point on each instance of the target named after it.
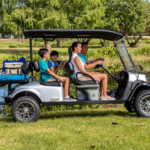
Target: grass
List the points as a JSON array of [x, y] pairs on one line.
[[78, 130]]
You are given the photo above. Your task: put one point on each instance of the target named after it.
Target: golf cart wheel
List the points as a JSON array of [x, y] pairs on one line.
[[25, 109], [129, 107], [142, 103]]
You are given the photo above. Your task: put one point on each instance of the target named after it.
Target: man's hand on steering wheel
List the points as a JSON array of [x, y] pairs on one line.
[[102, 58]]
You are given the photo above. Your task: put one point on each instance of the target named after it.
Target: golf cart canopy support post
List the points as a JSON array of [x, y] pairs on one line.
[[31, 56]]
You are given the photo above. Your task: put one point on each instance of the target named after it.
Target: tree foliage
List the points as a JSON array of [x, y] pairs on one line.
[[128, 17]]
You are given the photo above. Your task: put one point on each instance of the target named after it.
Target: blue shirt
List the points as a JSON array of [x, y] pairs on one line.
[[82, 57], [54, 65], [43, 66]]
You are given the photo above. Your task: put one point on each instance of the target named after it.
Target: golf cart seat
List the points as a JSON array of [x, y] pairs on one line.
[[70, 71], [52, 83], [85, 90]]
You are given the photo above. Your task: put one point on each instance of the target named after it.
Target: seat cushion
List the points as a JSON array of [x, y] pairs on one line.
[[52, 83], [84, 78], [11, 77], [88, 82]]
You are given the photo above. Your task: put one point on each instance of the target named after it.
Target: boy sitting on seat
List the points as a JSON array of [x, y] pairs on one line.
[[55, 64], [46, 73]]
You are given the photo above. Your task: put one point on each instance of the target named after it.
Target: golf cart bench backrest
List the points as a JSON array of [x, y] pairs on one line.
[[27, 66], [35, 66], [70, 71]]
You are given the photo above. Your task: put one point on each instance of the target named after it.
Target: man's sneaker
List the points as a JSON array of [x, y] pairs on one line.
[[107, 98]]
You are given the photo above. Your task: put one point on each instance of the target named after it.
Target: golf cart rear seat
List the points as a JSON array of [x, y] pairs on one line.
[[52, 83], [85, 90], [21, 77]]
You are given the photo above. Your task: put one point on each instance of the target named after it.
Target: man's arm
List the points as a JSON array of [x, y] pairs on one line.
[[93, 61], [92, 65]]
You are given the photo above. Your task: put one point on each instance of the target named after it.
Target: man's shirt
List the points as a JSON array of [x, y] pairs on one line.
[[82, 57]]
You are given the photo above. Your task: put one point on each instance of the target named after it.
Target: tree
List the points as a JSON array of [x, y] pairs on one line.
[[85, 14], [31, 14], [128, 17]]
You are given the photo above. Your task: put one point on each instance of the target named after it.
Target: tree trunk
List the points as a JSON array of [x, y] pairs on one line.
[[135, 41], [47, 45], [58, 43], [11, 36], [22, 37]]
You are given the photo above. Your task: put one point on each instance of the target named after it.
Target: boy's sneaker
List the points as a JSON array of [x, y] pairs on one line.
[[69, 98]]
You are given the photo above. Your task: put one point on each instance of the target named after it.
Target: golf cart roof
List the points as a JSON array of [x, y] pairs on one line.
[[73, 33]]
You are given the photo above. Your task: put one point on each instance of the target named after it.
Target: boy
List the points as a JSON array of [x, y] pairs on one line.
[[43, 66], [55, 64]]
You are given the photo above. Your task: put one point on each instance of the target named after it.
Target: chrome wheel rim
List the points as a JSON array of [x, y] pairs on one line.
[[145, 104], [25, 111]]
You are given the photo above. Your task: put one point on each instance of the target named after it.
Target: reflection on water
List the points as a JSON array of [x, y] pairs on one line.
[[4, 93]]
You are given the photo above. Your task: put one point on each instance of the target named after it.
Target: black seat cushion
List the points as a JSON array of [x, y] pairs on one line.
[[55, 83], [27, 66], [35, 65]]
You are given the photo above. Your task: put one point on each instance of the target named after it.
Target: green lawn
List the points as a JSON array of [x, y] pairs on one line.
[[78, 130]]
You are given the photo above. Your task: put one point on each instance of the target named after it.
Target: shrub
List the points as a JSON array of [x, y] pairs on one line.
[[12, 46], [144, 51], [103, 52]]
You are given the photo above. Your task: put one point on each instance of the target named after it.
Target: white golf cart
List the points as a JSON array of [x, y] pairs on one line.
[[27, 97]]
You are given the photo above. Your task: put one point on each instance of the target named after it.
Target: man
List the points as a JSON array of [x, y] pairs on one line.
[[83, 57], [90, 64]]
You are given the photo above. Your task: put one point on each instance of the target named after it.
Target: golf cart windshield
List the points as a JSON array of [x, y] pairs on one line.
[[125, 56]]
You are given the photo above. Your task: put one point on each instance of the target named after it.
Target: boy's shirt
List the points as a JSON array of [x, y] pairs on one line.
[[43, 66], [54, 65]]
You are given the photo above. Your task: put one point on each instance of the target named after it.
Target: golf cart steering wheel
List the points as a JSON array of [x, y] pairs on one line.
[[98, 66]]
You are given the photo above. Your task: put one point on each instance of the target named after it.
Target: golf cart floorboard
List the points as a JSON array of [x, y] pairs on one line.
[[85, 102]]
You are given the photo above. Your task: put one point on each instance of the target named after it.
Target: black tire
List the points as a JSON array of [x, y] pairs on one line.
[[129, 106], [25, 109], [141, 103]]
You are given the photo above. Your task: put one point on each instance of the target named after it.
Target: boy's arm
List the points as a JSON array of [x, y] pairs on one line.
[[59, 66], [53, 74]]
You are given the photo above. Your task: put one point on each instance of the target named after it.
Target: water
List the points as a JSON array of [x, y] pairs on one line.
[[3, 94]]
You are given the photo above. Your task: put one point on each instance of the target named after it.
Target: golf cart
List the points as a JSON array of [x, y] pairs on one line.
[[27, 97]]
